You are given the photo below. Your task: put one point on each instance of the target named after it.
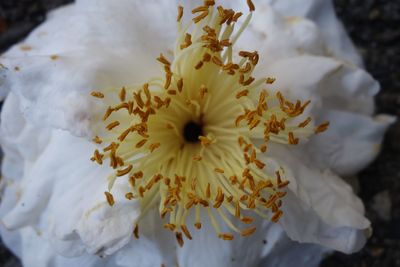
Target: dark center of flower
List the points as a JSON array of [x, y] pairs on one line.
[[192, 131]]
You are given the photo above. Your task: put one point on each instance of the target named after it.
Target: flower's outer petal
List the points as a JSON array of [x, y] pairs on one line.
[[9, 197], [140, 253], [309, 228], [22, 144], [3, 93], [12, 167], [39, 252], [268, 245], [206, 249], [301, 77], [274, 35], [350, 144], [62, 195], [324, 208], [154, 247], [343, 95], [323, 14], [280, 251], [73, 52], [277, 37], [332, 83], [350, 88]]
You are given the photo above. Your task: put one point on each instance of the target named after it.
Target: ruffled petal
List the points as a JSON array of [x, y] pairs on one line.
[[63, 196], [10, 192], [39, 252], [276, 37], [329, 83], [350, 88], [280, 251], [206, 249], [155, 245], [320, 207], [73, 52], [343, 95], [301, 77], [336, 40], [352, 142]]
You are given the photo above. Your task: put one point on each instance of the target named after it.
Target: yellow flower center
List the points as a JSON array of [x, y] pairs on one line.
[[186, 140]]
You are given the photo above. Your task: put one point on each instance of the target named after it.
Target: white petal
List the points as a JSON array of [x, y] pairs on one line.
[[329, 83], [351, 142], [300, 77], [206, 249], [12, 163], [3, 93], [38, 252], [10, 193], [280, 251], [63, 195], [154, 247], [350, 88], [323, 14], [277, 37], [54, 90], [320, 207]]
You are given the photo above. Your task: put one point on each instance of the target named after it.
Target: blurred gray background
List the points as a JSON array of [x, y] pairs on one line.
[[374, 26]]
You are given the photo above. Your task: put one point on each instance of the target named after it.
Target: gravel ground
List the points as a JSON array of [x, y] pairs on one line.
[[374, 27]]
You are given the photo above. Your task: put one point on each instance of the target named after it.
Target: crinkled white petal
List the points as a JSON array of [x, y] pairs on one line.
[[301, 77], [344, 96], [54, 78], [337, 42], [320, 207], [352, 142], [39, 252], [350, 88], [9, 196], [329, 83], [62, 195], [269, 246], [280, 251], [206, 249], [278, 37], [154, 247]]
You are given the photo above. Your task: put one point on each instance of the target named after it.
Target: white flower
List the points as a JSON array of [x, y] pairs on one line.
[[179, 159]]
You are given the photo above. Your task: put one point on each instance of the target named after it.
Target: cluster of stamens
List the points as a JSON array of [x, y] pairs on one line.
[[185, 140]]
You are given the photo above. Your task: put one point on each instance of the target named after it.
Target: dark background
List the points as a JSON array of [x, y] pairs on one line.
[[374, 26]]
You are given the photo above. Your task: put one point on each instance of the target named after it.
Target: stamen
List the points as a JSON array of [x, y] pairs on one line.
[[322, 128], [248, 231], [97, 94], [251, 5], [180, 13], [110, 198], [136, 231], [186, 139], [226, 236]]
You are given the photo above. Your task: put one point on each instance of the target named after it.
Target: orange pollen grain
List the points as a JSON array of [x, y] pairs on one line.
[[129, 196], [180, 13], [140, 143], [97, 94], [110, 198], [251, 5], [322, 127], [124, 171], [112, 125], [226, 236], [136, 231], [248, 231]]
